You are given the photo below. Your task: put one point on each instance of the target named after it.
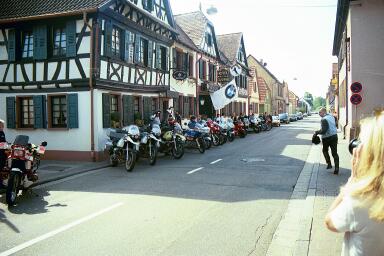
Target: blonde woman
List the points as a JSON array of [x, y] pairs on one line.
[[359, 208]]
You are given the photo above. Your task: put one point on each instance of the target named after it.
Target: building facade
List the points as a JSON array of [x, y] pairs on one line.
[[357, 44], [69, 72]]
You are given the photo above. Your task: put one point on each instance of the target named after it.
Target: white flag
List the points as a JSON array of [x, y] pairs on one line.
[[225, 95]]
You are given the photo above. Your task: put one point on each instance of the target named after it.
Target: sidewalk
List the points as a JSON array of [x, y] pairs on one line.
[[301, 230]]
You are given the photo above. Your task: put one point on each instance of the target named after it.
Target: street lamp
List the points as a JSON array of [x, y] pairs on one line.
[[202, 101]]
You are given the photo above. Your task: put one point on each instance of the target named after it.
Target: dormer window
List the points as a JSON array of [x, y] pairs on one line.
[[148, 5], [208, 39]]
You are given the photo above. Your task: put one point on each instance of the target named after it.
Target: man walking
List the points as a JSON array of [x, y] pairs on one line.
[[328, 133]]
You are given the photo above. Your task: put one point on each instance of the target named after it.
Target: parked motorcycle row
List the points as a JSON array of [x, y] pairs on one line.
[[23, 160], [125, 146]]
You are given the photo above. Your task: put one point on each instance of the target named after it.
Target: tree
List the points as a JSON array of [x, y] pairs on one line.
[[318, 102], [309, 98]]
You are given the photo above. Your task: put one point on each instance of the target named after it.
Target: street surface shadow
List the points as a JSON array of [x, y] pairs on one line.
[[4, 220], [31, 202]]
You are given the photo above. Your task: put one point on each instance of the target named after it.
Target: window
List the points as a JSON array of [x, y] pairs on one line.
[[114, 103], [154, 107], [59, 41], [27, 45], [116, 36], [163, 58], [143, 52], [208, 38], [148, 5], [202, 70], [190, 67], [179, 60], [26, 112], [137, 105], [212, 72], [59, 111]]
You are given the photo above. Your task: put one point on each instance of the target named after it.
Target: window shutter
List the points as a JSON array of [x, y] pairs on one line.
[[150, 54], [108, 39], [158, 57], [40, 42], [186, 61], [128, 110], [71, 38], [12, 45], [11, 112], [192, 110], [176, 105], [73, 111], [127, 44], [167, 58], [137, 48], [147, 105], [174, 58], [186, 106], [39, 111], [106, 111]]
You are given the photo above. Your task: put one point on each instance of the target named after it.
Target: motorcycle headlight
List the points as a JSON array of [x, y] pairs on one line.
[[120, 143], [133, 130]]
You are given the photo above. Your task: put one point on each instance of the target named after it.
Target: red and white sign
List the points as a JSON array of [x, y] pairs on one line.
[[356, 99], [356, 87]]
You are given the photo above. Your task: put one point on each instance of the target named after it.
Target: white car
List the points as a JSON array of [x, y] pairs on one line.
[[275, 121]]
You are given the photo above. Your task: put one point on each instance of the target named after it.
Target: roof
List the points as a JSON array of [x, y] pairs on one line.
[[184, 39], [193, 24], [261, 65], [341, 19], [16, 9], [229, 44]]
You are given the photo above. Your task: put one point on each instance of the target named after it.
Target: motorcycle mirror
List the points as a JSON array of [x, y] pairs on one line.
[[44, 143]]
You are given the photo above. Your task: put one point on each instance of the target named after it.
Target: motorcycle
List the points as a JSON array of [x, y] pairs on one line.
[[254, 124], [4, 173], [206, 131], [194, 138], [266, 125], [239, 129], [172, 141], [230, 130], [123, 146], [217, 136], [23, 162], [150, 142]]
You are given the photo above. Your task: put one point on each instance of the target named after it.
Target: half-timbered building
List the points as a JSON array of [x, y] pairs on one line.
[[202, 33], [71, 69], [232, 47]]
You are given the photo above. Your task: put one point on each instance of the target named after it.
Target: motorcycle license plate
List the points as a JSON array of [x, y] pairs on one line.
[[41, 150]]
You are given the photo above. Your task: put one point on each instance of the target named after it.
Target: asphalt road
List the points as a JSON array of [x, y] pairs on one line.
[[227, 201]]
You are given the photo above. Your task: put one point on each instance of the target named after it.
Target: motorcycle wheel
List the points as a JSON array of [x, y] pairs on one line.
[[208, 144], [13, 188], [130, 163], [201, 145], [223, 139], [231, 137], [178, 152], [153, 154], [269, 127], [113, 160], [215, 140], [264, 127], [243, 134]]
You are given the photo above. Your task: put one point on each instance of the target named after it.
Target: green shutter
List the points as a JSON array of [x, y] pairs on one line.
[[150, 54], [137, 48], [11, 112], [40, 42], [147, 105], [12, 45], [167, 58], [186, 106], [39, 111], [158, 57], [186, 61], [106, 111], [71, 38], [73, 110], [128, 110], [108, 38], [127, 44]]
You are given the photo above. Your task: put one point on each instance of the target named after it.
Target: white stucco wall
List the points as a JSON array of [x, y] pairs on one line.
[[69, 140]]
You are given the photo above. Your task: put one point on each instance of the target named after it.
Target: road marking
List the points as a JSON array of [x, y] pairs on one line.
[[57, 231], [216, 161], [193, 171]]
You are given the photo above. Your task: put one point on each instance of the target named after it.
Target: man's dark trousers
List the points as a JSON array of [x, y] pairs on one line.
[[331, 142]]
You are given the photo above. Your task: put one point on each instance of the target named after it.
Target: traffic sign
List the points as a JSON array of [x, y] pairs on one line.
[[356, 87], [356, 99]]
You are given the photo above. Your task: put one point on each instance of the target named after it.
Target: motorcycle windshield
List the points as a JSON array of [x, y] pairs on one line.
[[21, 140]]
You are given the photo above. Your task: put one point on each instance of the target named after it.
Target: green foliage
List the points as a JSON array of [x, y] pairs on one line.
[[115, 116], [309, 98], [318, 102]]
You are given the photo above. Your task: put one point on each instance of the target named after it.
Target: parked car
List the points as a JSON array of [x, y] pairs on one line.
[[299, 115], [275, 121], [293, 118], [284, 118], [305, 115]]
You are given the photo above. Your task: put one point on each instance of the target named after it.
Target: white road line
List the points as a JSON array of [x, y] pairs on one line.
[[193, 171], [216, 161], [57, 231]]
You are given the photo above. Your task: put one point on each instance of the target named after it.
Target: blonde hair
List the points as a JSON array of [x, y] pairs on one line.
[[370, 166]]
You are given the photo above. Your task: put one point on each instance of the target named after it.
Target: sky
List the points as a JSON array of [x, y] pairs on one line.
[[294, 37]]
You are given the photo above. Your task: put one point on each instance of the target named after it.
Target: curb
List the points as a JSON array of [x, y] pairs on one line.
[[293, 232], [67, 175]]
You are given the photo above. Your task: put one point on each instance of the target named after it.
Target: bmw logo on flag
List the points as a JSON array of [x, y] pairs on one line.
[[230, 91]]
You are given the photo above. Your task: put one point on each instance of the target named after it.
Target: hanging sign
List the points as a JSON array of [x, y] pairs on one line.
[[223, 76], [179, 75], [235, 70], [356, 99], [356, 87]]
